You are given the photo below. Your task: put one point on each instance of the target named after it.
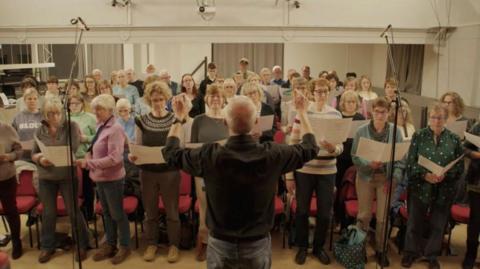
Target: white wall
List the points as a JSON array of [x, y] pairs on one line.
[[323, 13], [366, 59], [458, 64]]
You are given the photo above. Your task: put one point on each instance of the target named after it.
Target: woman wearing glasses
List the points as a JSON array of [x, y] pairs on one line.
[[316, 176], [372, 178], [430, 194]]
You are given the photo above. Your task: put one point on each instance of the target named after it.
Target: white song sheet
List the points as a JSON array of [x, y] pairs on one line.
[[334, 131], [146, 155], [58, 155], [355, 125], [435, 168], [473, 139], [264, 123], [458, 128], [377, 151]]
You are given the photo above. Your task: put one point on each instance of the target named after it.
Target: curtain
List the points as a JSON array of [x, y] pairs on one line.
[[62, 55], [409, 66], [106, 57], [227, 56]]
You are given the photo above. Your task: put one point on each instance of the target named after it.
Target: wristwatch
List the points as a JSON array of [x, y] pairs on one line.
[[177, 120]]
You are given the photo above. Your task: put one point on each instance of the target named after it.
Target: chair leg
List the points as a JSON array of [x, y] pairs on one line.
[[37, 227], [450, 228], [136, 235], [30, 237], [95, 230], [5, 224], [283, 224], [332, 228]]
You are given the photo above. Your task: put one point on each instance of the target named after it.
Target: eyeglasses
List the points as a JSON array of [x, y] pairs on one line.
[[321, 92], [439, 118], [51, 114], [380, 112]]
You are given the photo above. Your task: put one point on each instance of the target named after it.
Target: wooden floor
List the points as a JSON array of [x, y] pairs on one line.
[[282, 258]]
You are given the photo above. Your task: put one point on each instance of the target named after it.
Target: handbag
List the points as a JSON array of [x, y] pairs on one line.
[[350, 250]]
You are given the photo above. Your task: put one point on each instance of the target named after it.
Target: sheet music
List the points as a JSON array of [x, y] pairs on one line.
[[355, 125], [458, 128], [58, 155], [4, 99], [334, 131], [146, 155], [435, 168], [372, 150], [472, 139], [264, 123]]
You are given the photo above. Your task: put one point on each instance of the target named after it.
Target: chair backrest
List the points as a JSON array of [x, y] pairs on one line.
[[348, 190], [25, 187], [279, 137], [185, 183]]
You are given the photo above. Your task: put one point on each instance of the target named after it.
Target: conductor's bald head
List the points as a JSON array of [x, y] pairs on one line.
[[240, 114]]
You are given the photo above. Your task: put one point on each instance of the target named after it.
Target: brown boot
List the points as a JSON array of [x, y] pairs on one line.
[[201, 251], [45, 256], [106, 251], [122, 254]]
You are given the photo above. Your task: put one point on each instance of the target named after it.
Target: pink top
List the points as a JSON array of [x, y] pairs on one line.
[[105, 162]]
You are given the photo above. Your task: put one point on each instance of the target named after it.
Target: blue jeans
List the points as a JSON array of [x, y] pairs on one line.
[[110, 194], [48, 190], [252, 255]]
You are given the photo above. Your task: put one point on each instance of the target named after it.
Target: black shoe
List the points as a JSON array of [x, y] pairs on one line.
[[467, 264], [433, 264], [322, 256], [17, 249], [407, 261], [382, 260], [301, 256]]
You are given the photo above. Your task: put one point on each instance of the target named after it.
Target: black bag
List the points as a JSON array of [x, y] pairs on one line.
[[350, 250]]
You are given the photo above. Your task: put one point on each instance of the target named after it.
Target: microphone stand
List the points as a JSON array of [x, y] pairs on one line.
[[398, 102], [68, 119]]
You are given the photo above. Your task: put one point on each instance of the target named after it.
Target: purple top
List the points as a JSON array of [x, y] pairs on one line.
[[106, 159]]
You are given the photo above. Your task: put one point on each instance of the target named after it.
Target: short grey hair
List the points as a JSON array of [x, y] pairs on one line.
[[123, 103], [104, 100], [240, 114]]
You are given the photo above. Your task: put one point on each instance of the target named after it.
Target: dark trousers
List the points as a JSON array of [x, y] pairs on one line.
[[418, 221], [323, 186], [8, 193], [473, 229], [88, 190]]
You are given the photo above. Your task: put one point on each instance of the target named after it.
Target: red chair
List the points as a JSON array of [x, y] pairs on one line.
[[459, 214], [4, 262], [130, 206], [185, 196], [61, 208], [279, 137], [26, 198]]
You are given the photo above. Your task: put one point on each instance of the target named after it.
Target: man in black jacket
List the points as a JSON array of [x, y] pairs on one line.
[[240, 180]]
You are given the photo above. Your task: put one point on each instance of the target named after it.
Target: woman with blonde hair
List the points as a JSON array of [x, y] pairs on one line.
[[230, 89], [53, 179], [366, 89], [255, 93], [29, 120], [404, 121], [158, 179]]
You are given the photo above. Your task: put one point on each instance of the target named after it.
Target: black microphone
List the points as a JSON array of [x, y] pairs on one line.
[[85, 25], [384, 31]]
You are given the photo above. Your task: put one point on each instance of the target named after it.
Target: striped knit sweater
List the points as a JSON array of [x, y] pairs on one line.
[[325, 163]]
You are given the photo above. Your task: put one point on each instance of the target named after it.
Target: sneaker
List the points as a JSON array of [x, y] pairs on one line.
[[106, 251], [407, 261], [122, 254], [301, 256], [382, 260], [322, 256], [45, 256], [201, 254], [173, 254], [150, 253], [17, 249], [433, 264]]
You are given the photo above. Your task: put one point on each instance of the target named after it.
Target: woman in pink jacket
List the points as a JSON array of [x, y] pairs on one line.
[[105, 162]]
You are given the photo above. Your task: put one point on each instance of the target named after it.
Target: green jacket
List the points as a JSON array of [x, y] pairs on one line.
[[447, 149], [88, 125]]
